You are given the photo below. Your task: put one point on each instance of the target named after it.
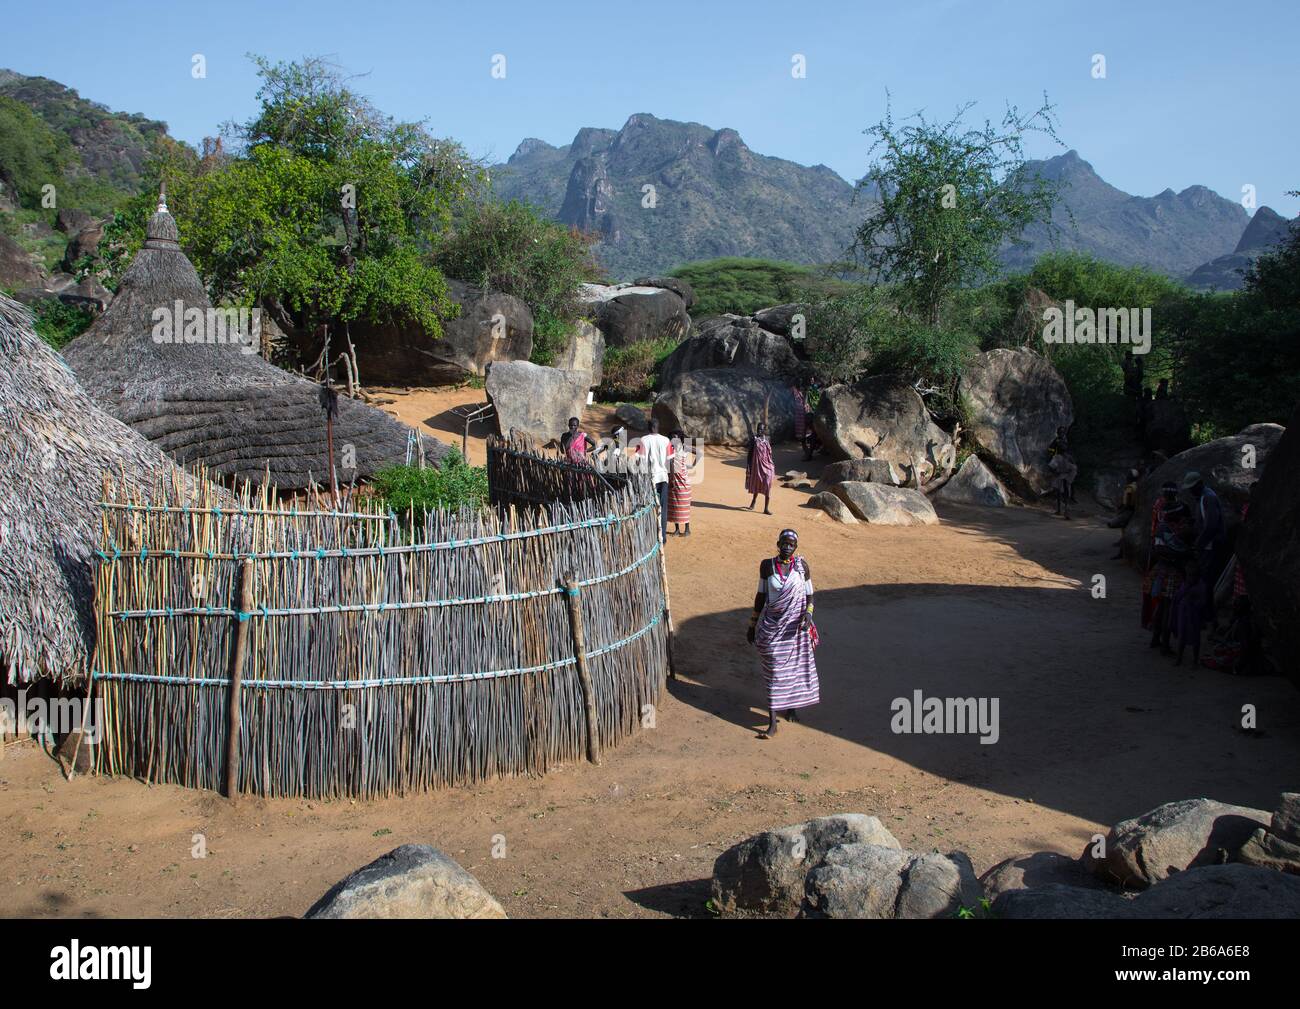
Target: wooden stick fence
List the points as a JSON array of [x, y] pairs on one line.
[[380, 656]]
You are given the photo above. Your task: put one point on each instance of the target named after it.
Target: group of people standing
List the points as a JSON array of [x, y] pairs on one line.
[[666, 460], [1187, 557]]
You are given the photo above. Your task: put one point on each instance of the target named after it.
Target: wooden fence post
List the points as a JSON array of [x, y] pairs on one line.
[[668, 615], [573, 592], [233, 727]]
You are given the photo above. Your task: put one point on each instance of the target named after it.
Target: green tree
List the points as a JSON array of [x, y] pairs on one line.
[[948, 197], [739, 285], [325, 212], [511, 248]]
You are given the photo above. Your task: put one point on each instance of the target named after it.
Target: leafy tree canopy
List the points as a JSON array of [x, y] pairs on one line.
[[949, 196]]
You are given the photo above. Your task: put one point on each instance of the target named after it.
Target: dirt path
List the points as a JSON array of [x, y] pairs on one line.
[[996, 604]]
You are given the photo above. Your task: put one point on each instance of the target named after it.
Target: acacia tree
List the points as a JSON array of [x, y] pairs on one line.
[[947, 197]]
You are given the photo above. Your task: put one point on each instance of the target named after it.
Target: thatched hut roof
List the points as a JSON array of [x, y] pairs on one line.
[[56, 448], [218, 404]]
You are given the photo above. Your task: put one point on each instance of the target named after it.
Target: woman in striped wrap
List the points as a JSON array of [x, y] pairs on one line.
[[679, 484], [759, 471], [783, 630]]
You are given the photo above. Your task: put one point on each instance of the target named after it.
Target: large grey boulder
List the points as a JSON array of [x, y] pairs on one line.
[[732, 342], [1222, 891], [1268, 851], [726, 405], [781, 318], [883, 505], [584, 350], [630, 313], [1269, 550], [413, 881], [1037, 869], [834, 507], [883, 417], [85, 243], [974, 484], [765, 874], [490, 327], [1220, 463], [534, 400], [70, 220], [863, 470], [871, 881], [1173, 838], [1285, 822], [1059, 900], [1278, 847], [1014, 400], [18, 269], [679, 287]]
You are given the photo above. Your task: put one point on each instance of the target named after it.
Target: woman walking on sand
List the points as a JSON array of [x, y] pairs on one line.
[[759, 470], [679, 485], [783, 630]]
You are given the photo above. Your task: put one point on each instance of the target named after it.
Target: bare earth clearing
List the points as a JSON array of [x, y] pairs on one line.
[[993, 603]]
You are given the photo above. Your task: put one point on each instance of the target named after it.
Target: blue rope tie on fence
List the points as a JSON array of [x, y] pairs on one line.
[[399, 681], [418, 604]]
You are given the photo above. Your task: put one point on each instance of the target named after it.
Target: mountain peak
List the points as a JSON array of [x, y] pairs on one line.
[[529, 145], [1265, 229]]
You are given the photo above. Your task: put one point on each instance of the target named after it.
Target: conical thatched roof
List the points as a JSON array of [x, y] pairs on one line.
[[56, 448], [214, 403]]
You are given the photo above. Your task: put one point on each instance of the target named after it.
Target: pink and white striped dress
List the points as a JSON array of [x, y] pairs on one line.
[[784, 645]]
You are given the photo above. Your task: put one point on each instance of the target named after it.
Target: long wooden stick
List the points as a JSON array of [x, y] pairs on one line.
[[668, 616], [573, 592], [233, 727]]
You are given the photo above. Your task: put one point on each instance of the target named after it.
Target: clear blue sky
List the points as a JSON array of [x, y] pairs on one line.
[[1195, 92]]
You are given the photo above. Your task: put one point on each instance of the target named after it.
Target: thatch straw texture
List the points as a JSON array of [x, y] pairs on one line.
[[211, 403], [56, 451], [384, 656]]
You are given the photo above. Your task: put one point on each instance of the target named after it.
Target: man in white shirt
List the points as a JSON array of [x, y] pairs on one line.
[[655, 449]]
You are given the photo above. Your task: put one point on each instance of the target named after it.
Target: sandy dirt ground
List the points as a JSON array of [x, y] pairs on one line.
[[992, 603]]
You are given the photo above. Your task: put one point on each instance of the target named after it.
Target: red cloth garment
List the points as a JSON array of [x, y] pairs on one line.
[[760, 472]]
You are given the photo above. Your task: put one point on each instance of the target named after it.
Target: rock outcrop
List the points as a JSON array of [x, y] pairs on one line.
[[975, 484], [882, 505], [1014, 401], [413, 881], [883, 417], [731, 341], [630, 313], [534, 400], [1173, 838], [766, 873], [726, 405], [490, 327]]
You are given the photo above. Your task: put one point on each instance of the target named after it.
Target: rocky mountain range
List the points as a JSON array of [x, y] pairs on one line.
[[660, 193], [713, 196], [657, 192]]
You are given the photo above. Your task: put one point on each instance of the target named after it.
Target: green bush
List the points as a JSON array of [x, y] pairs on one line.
[[451, 486], [742, 286], [630, 374], [512, 248], [550, 334], [58, 324]]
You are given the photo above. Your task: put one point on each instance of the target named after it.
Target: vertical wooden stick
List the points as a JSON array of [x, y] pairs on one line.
[[233, 727], [668, 615], [573, 592]]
